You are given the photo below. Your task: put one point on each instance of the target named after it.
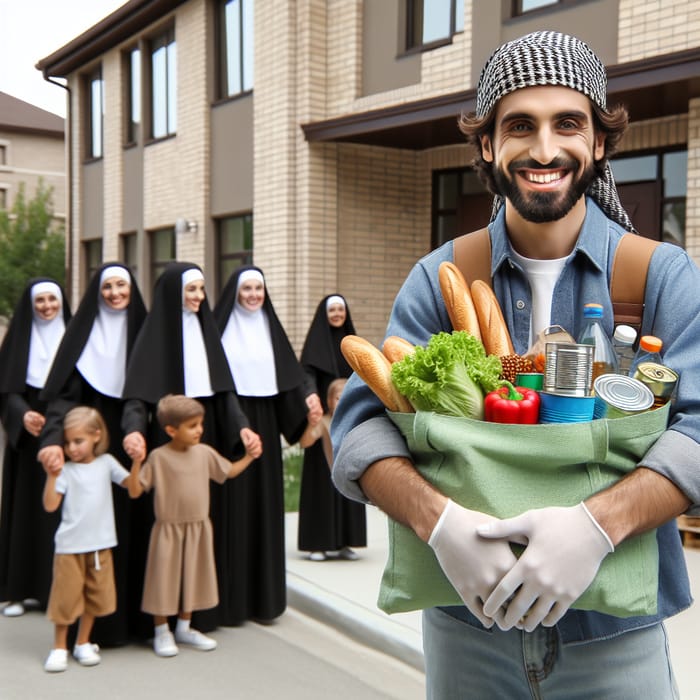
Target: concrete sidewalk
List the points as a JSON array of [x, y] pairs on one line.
[[343, 594]]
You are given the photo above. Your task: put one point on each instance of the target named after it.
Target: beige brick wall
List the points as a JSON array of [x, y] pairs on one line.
[[653, 27], [692, 212], [112, 159]]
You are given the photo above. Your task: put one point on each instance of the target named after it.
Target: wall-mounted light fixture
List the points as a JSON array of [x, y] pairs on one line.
[[183, 225]]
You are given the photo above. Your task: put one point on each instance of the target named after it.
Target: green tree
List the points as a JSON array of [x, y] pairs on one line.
[[32, 243]]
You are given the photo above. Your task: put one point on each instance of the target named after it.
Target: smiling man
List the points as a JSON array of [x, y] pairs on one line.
[[544, 133]]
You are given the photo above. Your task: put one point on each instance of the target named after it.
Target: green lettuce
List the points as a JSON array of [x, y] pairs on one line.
[[450, 375]]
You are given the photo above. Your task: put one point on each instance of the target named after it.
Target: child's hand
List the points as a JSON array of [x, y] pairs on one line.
[[315, 409], [134, 445], [51, 458], [252, 442]]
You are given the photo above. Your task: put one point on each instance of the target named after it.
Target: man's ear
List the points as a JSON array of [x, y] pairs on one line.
[[599, 146], [486, 150]]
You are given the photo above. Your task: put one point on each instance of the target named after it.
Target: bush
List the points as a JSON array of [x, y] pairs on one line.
[[293, 459]]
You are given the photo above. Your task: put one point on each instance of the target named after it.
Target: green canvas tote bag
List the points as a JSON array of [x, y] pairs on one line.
[[505, 470]]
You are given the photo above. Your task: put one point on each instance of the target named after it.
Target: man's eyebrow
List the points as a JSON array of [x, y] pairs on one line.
[[566, 114]]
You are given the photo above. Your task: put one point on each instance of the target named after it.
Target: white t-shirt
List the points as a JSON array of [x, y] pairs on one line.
[[87, 513], [543, 276]]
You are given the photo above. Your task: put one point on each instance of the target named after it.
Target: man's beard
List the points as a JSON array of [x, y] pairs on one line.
[[543, 207]]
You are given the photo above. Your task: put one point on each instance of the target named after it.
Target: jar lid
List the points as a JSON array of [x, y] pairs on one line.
[[592, 310]]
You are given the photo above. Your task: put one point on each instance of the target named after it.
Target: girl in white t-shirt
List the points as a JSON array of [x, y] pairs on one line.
[[83, 575]]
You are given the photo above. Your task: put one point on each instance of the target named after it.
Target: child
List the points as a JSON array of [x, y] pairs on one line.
[[180, 571], [329, 523], [83, 575]]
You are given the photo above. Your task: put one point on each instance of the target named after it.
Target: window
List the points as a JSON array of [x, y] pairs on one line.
[[92, 257], [236, 47], [669, 171], [520, 7], [234, 239], [133, 98], [3, 198], [129, 252], [162, 250], [163, 85], [95, 107], [3, 154], [432, 23]]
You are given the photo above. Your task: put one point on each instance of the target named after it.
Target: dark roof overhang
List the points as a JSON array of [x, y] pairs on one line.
[[121, 25], [651, 87]]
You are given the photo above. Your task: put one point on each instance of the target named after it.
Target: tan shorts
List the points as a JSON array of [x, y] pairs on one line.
[[79, 587]]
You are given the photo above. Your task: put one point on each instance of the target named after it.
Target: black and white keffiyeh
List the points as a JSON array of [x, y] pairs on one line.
[[551, 58]]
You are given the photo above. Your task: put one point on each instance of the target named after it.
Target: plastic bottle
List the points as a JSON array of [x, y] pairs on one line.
[[593, 333], [649, 350], [623, 342]]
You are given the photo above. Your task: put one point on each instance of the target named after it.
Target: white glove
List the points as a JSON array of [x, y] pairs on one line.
[[564, 551], [473, 565]]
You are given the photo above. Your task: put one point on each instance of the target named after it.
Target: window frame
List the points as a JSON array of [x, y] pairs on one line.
[[91, 259], [244, 255], [163, 39], [92, 77], [413, 45], [245, 43], [129, 257], [133, 128], [156, 264]]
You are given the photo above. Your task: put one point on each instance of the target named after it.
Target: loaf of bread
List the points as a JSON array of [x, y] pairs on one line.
[[395, 348], [458, 300], [494, 331], [375, 370]]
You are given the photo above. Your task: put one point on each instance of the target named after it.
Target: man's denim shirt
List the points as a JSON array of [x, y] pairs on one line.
[[362, 434]]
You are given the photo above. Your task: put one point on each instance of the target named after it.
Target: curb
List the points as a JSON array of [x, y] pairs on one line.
[[374, 629]]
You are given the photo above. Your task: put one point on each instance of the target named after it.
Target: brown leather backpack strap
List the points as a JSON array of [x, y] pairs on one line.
[[628, 280], [472, 255]]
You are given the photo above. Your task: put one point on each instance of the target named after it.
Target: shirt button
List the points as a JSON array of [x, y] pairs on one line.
[[520, 304]]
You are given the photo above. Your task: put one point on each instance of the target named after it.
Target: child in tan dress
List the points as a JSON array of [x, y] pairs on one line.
[[180, 570]]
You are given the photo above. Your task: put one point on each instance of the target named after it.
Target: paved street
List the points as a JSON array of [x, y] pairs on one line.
[[296, 659]]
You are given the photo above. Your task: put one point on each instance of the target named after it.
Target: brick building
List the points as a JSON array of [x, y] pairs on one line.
[[319, 137], [31, 149]]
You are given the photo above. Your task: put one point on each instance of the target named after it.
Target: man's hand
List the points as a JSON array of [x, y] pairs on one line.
[[252, 442], [565, 547], [472, 564], [33, 422], [134, 445], [51, 458]]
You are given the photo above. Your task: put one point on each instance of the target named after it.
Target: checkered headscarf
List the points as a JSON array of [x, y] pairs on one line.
[[551, 58]]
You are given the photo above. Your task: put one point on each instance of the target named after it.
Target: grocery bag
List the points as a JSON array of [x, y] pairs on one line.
[[505, 470]]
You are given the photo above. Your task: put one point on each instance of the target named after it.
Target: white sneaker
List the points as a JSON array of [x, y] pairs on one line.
[[164, 644], [56, 661], [13, 610], [86, 654], [195, 639], [349, 554], [317, 556]]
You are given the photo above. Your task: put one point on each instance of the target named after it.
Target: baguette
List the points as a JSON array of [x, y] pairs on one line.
[[458, 300], [375, 370], [395, 348], [494, 331]]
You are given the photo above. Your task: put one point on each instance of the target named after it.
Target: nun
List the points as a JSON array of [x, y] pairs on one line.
[[329, 523], [26, 529], [271, 389], [89, 369], [179, 351]]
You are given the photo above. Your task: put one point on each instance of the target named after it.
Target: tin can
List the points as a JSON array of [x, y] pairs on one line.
[[568, 368], [660, 379], [617, 395], [531, 380]]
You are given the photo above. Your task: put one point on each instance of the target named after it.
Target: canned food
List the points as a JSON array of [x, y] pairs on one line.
[[660, 379], [568, 368], [531, 380], [617, 395]]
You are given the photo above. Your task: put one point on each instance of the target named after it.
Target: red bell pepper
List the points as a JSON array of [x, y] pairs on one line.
[[510, 404]]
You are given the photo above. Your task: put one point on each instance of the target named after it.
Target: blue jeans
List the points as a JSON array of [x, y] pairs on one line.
[[468, 662]]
